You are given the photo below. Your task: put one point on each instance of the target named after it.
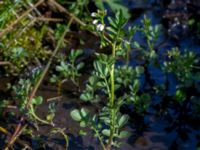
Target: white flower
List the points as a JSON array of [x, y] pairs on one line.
[[93, 14], [100, 27], [95, 21]]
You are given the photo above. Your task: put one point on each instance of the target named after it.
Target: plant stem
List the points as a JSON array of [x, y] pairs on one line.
[[112, 77], [150, 45], [100, 138], [32, 112], [112, 99], [107, 86]]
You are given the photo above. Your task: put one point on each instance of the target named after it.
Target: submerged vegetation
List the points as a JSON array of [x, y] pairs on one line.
[[83, 68]]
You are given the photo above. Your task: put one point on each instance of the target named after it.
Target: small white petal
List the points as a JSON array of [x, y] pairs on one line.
[[93, 14], [95, 21], [100, 27]]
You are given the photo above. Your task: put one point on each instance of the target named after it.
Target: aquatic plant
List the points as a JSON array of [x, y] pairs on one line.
[[106, 80]]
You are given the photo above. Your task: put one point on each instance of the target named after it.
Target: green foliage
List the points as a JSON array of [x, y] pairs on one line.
[[69, 69], [89, 93], [85, 120], [181, 64], [99, 79], [24, 50], [22, 90], [150, 34], [8, 11], [125, 75], [141, 102], [37, 100], [115, 5], [78, 8], [106, 78]]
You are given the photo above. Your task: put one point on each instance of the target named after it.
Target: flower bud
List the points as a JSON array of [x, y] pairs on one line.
[[100, 27], [93, 14], [95, 21]]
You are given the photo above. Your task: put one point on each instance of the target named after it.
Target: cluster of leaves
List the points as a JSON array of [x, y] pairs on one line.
[[69, 69], [182, 65], [151, 34], [115, 6], [23, 44], [99, 79], [97, 124], [106, 79], [22, 90]]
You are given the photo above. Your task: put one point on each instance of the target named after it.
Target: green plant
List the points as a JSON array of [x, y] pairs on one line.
[[151, 34], [51, 113], [106, 79], [22, 90], [182, 65], [125, 75], [86, 120], [8, 11], [115, 5], [69, 69]]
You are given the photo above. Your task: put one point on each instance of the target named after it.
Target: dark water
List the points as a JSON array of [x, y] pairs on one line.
[[162, 132]]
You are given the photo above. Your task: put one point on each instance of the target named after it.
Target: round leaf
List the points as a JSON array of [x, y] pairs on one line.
[[124, 134], [75, 114], [106, 132], [37, 100]]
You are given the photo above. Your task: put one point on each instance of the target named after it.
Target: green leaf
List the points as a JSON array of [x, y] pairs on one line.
[[139, 70], [101, 84], [106, 132], [84, 112], [116, 6], [101, 69], [83, 124], [123, 120], [83, 133], [54, 79], [124, 134], [136, 85], [37, 100], [99, 4], [80, 66], [180, 95], [75, 114], [136, 45], [86, 97], [50, 116]]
